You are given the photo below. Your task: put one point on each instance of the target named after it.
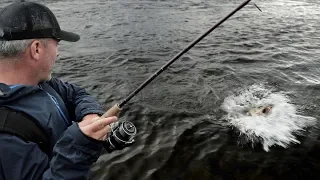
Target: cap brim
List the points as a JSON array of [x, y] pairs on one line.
[[68, 36]]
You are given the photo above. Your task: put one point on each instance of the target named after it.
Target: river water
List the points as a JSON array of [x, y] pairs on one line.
[[190, 119]]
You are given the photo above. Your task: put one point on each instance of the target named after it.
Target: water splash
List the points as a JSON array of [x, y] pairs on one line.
[[279, 127]]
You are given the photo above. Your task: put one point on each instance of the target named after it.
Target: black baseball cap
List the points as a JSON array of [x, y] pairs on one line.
[[30, 20]]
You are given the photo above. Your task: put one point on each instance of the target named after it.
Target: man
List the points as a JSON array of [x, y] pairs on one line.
[[29, 36]]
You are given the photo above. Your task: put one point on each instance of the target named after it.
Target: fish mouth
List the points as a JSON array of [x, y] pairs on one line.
[[260, 111]]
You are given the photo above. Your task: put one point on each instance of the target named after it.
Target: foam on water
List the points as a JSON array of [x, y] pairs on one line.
[[279, 127]]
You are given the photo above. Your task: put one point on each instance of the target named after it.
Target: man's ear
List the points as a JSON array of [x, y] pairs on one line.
[[35, 50]]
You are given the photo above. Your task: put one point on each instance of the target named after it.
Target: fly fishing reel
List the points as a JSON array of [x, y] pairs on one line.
[[122, 135]]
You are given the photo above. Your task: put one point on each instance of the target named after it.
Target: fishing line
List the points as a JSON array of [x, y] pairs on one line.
[[122, 134], [157, 73]]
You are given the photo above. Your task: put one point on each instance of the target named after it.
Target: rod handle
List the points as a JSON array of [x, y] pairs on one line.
[[113, 111]]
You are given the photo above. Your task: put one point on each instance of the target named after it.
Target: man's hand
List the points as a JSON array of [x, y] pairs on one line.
[[89, 118], [95, 127]]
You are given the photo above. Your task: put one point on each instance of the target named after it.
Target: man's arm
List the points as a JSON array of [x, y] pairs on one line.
[[76, 99], [74, 153]]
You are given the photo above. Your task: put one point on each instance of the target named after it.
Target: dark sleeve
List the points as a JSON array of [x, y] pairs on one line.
[[76, 99], [72, 158]]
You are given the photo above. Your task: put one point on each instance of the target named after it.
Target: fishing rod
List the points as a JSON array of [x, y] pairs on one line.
[[122, 134]]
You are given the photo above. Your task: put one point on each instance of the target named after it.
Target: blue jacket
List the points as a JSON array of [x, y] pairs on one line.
[[57, 106]]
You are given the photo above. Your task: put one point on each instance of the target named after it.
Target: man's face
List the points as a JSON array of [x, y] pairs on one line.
[[48, 59]]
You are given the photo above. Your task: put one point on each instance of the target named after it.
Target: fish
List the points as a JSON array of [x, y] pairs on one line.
[[260, 111]]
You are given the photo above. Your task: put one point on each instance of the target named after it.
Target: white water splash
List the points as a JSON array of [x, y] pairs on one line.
[[277, 128]]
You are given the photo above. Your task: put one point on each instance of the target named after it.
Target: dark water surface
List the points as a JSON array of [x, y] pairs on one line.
[[181, 130]]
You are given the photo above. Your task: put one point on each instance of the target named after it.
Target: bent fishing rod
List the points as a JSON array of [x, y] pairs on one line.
[[122, 134]]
